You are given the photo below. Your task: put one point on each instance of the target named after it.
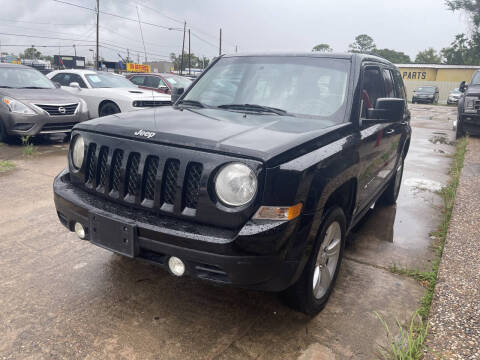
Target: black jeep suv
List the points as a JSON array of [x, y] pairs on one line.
[[468, 120], [253, 178]]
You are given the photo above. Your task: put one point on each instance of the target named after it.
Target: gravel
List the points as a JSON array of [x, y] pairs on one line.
[[454, 324]]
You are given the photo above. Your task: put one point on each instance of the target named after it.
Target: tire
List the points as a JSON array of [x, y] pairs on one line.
[[413, 101], [108, 108], [459, 133], [301, 296], [390, 195]]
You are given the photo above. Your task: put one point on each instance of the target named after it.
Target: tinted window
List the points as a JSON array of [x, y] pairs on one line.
[[152, 81], [389, 89], [59, 78], [138, 80], [78, 79], [373, 85], [304, 86], [399, 86]]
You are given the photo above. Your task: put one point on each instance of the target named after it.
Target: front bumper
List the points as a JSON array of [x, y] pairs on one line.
[[422, 100], [470, 123], [30, 125], [209, 253]]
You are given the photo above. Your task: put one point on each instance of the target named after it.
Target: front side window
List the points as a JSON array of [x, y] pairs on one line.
[[389, 89], [302, 86], [152, 82], [399, 86], [372, 88], [104, 80], [20, 77]]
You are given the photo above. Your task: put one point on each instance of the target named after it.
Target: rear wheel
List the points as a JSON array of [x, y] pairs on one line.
[[390, 195], [108, 108], [312, 290]]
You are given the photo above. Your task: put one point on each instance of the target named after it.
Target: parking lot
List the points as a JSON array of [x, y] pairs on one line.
[[64, 298]]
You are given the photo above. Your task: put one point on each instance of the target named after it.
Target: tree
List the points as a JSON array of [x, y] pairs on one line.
[[322, 48], [363, 44], [30, 53], [195, 61], [396, 57], [428, 56]]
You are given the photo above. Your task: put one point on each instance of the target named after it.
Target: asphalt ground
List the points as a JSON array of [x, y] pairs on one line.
[[62, 298]]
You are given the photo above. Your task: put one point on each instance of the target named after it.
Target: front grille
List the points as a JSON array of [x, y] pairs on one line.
[[151, 103], [144, 180], [59, 110], [59, 126]]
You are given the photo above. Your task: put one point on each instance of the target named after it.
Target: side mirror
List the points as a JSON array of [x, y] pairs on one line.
[[176, 93], [387, 110], [75, 85], [462, 87], [57, 84]]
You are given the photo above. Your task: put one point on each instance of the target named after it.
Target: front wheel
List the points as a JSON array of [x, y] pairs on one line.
[[312, 290], [4, 137], [459, 133], [390, 195]]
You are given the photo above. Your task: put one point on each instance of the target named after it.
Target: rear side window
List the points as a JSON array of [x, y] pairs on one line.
[[399, 87], [138, 80], [151, 81], [372, 87], [389, 88]]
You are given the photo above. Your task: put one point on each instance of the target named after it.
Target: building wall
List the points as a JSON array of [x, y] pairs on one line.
[[446, 79], [161, 66]]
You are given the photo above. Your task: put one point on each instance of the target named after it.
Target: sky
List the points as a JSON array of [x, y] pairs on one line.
[[248, 25]]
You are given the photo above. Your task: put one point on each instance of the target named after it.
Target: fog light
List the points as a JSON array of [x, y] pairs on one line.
[[80, 230], [176, 266]]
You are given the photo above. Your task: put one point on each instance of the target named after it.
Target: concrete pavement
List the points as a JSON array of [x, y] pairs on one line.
[[62, 298]]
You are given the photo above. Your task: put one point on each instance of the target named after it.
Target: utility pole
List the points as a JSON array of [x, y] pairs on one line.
[[75, 59], [220, 45], [141, 33], [183, 47], [128, 55], [189, 54], [236, 48], [98, 19]]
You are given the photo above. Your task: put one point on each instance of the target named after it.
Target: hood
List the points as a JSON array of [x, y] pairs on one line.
[[251, 135], [137, 94], [47, 95], [473, 90]]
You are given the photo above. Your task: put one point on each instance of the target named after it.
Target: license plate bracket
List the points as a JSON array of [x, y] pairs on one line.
[[114, 235]]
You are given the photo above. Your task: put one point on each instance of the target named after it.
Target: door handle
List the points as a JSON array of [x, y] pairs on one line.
[[389, 132]]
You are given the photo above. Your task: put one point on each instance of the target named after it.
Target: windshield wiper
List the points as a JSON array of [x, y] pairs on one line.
[[192, 102], [32, 87], [5, 87], [255, 108]]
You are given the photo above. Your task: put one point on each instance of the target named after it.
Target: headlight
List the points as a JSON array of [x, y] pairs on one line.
[[78, 152], [236, 184], [470, 103], [16, 106]]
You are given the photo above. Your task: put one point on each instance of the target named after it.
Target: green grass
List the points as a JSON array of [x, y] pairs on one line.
[[6, 165], [28, 148], [410, 344]]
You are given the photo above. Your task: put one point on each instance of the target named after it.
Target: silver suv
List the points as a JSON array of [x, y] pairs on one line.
[[31, 104]]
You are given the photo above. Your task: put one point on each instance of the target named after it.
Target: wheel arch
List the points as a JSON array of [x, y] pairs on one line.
[[105, 101]]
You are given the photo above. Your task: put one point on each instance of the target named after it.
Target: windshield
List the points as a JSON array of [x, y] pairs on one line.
[[303, 86], [100, 80], [425, 90], [178, 81], [476, 78], [13, 77], [456, 91]]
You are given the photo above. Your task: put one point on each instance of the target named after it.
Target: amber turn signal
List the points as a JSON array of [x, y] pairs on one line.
[[278, 212]]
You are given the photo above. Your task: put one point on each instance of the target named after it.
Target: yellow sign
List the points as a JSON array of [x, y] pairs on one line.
[[427, 74], [16, 62], [132, 67]]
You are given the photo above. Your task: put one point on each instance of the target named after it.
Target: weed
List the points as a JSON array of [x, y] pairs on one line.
[[6, 165], [411, 342], [408, 345], [28, 148]]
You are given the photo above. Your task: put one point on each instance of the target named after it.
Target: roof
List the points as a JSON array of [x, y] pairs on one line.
[[76, 71], [437, 66], [316, 54]]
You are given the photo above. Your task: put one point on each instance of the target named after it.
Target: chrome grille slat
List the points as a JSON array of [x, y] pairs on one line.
[[54, 110]]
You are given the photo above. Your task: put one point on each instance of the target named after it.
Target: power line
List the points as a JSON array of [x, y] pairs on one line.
[[45, 37], [158, 11], [119, 16], [205, 41]]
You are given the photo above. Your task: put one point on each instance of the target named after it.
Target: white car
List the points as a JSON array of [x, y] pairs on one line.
[[107, 93]]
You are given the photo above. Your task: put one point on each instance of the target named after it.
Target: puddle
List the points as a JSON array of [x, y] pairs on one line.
[[423, 184], [441, 139]]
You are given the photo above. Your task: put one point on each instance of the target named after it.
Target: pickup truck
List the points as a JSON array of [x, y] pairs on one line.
[[253, 178], [468, 120]]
